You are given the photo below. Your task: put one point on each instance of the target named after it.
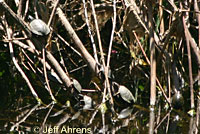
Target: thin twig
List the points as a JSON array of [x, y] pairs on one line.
[[85, 54], [102, 56], [189, 65], [90, 33], [98, 33], [25, 117], [197, 115], [46, 77], [35, 9], [159, 85], [162, 28], [62, 61], [112, 33], [196, 8], [9, 32], [20, 7], [33, 51], [47, 115], [26, 9], [66, 80], [64, 41], [44, 49], [17, 18], [163, 119], [52, 13]]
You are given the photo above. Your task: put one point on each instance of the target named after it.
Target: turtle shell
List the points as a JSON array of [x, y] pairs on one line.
[[39, 27], [177, 100], [126, 94], [77, 85]]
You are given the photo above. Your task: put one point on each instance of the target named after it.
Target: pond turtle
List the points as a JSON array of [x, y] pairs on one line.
[[39, 27], [126, 94], [77, 85], [177, 100]]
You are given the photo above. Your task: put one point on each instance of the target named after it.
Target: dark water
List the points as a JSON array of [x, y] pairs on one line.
[[20, 112], [24, 115]]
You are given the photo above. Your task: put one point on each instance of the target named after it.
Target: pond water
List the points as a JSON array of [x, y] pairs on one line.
[[20, 112], [25, 116]]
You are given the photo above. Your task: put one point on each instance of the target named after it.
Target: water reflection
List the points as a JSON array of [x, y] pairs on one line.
[[89, 115], [55, 118]]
